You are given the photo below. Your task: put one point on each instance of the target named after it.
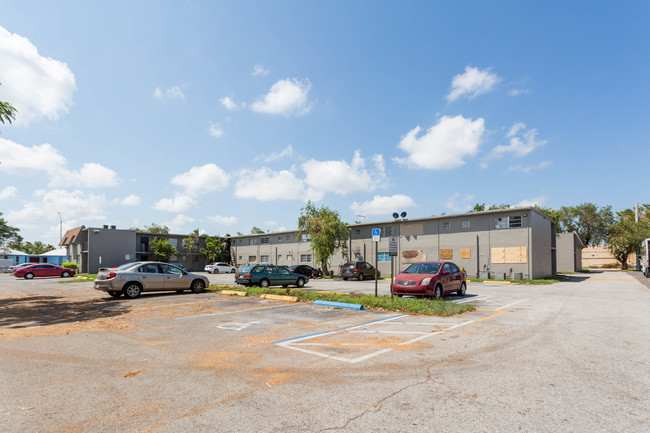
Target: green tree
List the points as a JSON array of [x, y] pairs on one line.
[[326, 230], [499, 206], [588, 220], [257, 231], [34, 248], [8, 233], [625, 238], [153, 228], [162, 249], [191, 243], [7, 112], [216, 248], [479, 207]]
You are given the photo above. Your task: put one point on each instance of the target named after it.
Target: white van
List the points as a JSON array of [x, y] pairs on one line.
[[645, 257]]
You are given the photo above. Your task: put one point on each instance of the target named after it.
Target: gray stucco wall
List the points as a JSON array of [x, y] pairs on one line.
[[108, 248], [543, 240], [569, 253]]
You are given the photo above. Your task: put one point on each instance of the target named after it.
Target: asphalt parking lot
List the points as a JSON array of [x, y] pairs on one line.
[[572, 356]]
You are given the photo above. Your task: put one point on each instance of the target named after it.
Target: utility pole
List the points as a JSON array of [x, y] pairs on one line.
[[638, 252]]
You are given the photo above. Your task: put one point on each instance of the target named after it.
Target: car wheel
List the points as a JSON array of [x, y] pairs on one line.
[[29, 276], [463, 289], [264, 283], [198, 286], [232, 271], [437, 294], [360, 277], [132, 290], [300, 283], [65, 274], [216, 271], [115, 294]]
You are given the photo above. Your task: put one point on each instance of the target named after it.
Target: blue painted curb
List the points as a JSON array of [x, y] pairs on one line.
[[340, 305]]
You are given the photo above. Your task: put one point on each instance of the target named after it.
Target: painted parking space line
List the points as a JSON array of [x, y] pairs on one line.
[[462, 301], [233, 312], [511, 304]]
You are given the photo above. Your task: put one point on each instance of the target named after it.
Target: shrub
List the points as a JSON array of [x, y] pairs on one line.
[[71, 265]]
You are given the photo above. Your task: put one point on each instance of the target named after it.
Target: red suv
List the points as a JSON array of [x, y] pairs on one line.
[[430, 279]]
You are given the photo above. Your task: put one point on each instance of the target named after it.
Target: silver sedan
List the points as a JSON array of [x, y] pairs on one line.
[[132, 279]]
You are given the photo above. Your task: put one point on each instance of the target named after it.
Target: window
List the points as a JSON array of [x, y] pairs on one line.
[[464, 224], [252, 241], [288, 237], [446, 225], [264, 259], [239, 257], [508, 222], [280, 257], [305, 237], [357, 231], [252, 259], [264, 240], [280, 238], [305, 258], [383, 257], [357, 256], [386, 231]]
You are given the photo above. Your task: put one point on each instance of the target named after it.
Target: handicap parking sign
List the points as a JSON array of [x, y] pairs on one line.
[[376, 235]]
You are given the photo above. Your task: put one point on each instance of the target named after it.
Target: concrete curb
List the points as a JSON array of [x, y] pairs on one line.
[[339, 305], [279, 297], [233, 293]]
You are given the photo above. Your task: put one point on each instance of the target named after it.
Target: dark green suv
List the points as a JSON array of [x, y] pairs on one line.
[[268, 275]]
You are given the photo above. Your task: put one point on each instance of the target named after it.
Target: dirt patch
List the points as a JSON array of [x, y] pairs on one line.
[[132, 373]]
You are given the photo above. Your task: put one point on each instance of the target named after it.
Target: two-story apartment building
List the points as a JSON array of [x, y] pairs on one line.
[[504, 243], [100, 247]]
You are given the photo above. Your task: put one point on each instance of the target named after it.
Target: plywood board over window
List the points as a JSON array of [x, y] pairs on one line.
[[446, 254], [509, 255], [412, 229], [465, 253]]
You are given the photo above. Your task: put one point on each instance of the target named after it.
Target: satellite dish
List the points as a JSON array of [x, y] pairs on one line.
[[395, 215], [403, 215]]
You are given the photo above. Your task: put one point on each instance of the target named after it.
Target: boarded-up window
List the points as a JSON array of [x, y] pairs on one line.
[[409, 257], [446, 254], [509, 255], [465, 253], [412, 229]]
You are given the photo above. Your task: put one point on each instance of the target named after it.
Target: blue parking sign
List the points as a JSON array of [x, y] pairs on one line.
[[376, 232]]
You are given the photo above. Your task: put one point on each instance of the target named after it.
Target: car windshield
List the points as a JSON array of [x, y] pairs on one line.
[[246, 268], [423, 268], [126, 266]]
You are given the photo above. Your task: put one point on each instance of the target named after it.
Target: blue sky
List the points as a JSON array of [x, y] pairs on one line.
[[226, 115]]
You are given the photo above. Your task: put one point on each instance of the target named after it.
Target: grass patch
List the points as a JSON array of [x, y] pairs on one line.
[[428, 307], [81, 278]]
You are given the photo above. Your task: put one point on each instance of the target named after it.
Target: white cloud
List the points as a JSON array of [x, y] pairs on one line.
[[177, 204], [226, 221], [537, 201], [382, 205], [36, 86], [174, 92], [270, 223], [286, 152], [519, 144], [215, 130], [73, 204], [231, 105], [287, 98], [91, 175], [199, 180], [131, 200], [177, 224], [445, 145], [8, 192], [258, 70], [266, 185], [471, 83], [517, 92], [528, 169], [456, 203], [23, 160], [342, 178]]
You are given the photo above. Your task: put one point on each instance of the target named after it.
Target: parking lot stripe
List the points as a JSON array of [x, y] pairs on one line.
[[510, 305], [232, 312], [471, 299], [494, 315]]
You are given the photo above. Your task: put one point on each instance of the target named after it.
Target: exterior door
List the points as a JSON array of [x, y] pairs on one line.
[[174, 278], [151, 277]]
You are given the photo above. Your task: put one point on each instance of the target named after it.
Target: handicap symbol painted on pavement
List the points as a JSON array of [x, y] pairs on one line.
[[234, 326]]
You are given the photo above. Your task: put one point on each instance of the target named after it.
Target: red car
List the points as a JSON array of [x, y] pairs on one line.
[[430, 279], [43, 270]]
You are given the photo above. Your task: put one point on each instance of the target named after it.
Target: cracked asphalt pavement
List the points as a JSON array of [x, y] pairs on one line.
[[572, 356]]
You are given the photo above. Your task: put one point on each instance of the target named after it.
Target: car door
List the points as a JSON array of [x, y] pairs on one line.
[[151, 277], [285, 276], [369, 271], [457, 276], [174, 278], [447, 278]]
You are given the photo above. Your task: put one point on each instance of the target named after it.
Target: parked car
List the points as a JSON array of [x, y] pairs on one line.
[[42, 270], [269, 275], [218, 267], [431, 279], [359, 270], [132, 279], [306, 270], [22, 265]]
